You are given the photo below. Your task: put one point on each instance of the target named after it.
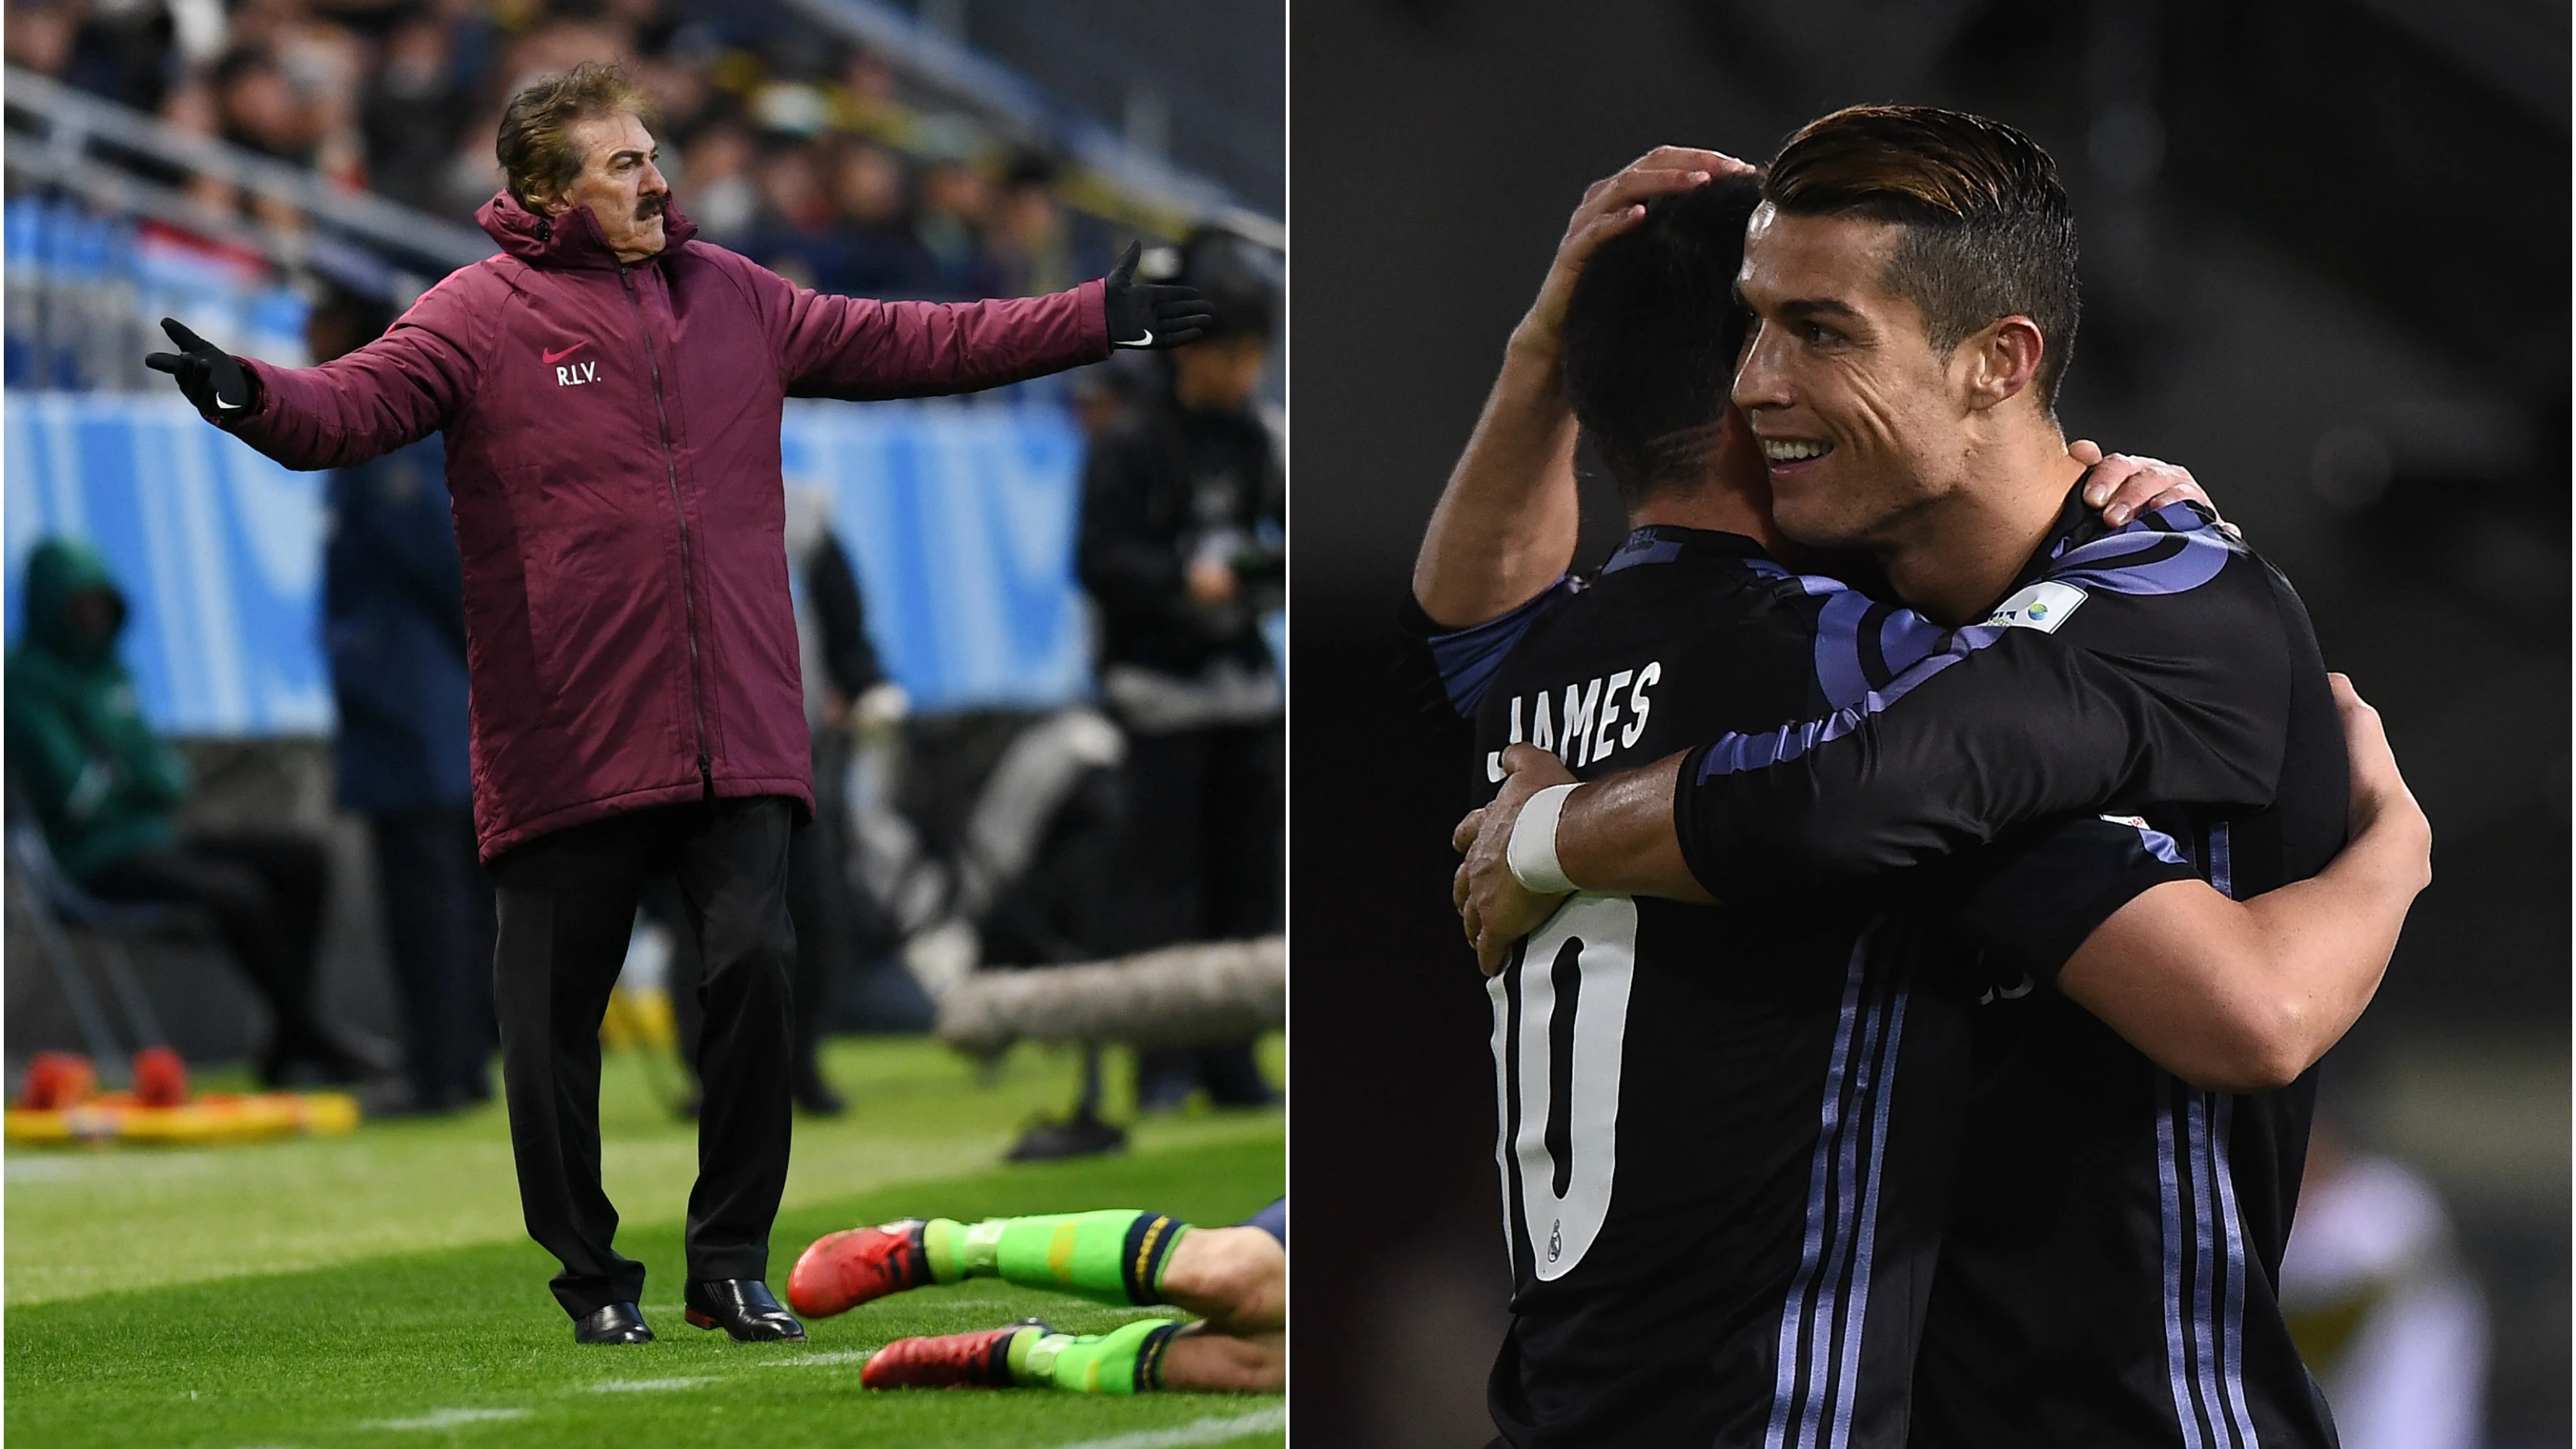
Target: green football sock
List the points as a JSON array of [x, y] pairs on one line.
[[1114, 1257], [1128, 1361]]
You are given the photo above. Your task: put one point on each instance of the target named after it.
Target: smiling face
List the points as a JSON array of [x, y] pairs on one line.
[[1861, 420], [620, 184]]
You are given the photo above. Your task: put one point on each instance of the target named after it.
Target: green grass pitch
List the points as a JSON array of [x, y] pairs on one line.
[[378, 1289]]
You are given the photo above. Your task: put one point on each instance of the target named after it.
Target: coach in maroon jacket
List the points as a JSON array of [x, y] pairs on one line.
[[610, 390]]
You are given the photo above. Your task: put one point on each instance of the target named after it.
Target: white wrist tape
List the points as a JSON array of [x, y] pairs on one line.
[[1531, 852]]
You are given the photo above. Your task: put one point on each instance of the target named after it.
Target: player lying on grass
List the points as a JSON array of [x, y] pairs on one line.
[[1235, 1279], [2105, 1272]]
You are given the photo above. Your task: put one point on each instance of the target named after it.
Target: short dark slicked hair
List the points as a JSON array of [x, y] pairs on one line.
[[1987, 231], [535, 144], [1652, 334]]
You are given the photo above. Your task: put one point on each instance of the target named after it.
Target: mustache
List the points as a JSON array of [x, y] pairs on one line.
[[651, 206]]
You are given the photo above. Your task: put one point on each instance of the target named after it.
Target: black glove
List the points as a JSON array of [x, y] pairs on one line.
[[1147, 315], [214, 380]]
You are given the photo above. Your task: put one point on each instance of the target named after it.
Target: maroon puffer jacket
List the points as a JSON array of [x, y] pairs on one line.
[[612, 448]]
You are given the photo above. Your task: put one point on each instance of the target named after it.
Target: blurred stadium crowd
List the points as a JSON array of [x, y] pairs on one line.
[[798, 148], [960, 825]]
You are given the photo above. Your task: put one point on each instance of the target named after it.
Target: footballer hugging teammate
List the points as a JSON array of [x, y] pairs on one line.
[[1903, 1036]]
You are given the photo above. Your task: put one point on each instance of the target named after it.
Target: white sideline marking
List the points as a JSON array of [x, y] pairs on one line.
[[449, 1418], [1197, 1431], [856, 1355], [646, 1386]]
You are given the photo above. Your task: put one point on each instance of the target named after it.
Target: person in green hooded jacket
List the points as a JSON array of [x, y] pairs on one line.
[[106, 789]]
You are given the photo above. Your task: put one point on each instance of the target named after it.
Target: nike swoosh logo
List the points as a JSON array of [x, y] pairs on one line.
[[554, 357], [1145, 341]]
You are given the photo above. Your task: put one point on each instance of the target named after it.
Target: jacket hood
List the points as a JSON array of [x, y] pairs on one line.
[[570, 240], [58, 569]]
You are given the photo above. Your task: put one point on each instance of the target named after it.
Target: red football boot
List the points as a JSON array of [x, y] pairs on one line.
[[949, 1361], [845, 1269]]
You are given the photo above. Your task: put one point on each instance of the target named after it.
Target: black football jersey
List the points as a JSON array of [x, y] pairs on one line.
[[1725, 1132], [2108, 1272]]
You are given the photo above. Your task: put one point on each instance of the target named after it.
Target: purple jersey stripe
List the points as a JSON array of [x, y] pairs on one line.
[[1907, 639], [2177, 1352], [2198, 557], [2204, 1288], [1824, 1317], [1856, 1308], [1467, 658], [2232, 1300], [1839, 672], [1788, 1392], [1643, 547]]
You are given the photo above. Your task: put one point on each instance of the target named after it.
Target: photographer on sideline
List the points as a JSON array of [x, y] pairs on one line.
[[1183, 505]]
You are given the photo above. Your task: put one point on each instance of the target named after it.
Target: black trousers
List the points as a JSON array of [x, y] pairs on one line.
[[265, 894], [439, 923], [817, 894], [1201, 830], [567, 905], [817, 901], [1201, 861]]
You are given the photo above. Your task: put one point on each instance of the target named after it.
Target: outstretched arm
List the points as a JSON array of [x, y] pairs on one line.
[[1619, 840], [1621, 832], [862, 348], [2235, 996], [2245, 996], [388, 394], [1504, 528], [1981, 739]]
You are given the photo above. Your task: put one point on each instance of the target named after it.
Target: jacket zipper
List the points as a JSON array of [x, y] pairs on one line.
[[688, 579]]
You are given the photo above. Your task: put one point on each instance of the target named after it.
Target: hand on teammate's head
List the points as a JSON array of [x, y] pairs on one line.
[[2122, 485], [1610, 206]]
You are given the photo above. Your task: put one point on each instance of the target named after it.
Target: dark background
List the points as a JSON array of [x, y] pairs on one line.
[[2326, 267]]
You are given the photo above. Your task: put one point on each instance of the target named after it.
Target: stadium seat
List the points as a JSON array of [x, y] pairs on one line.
[[55, 906]]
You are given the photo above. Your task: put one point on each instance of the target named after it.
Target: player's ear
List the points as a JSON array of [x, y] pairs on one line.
[[1999, 362]]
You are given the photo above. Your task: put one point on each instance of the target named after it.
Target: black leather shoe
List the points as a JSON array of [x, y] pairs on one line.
[[617, 1323], [744, 1308], [1081, 1135], [815, 1096]]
